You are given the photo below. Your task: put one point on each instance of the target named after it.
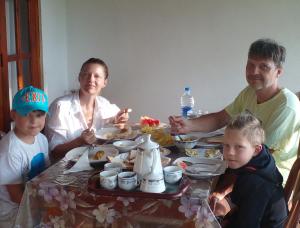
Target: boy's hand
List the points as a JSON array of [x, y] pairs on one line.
[[213, 200], [220, 207], [88, 137]]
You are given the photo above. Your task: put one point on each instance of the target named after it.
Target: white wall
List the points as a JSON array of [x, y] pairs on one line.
[[54, 47], [156, 47]]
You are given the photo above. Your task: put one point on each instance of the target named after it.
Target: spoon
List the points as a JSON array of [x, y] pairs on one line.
[[181, 139]]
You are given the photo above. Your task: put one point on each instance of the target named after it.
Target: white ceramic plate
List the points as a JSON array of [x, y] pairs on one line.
[[113, 133], [201, 168], [74, 154], [108, 151]]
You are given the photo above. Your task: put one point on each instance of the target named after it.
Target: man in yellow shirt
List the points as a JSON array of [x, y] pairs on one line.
[[277, 108]]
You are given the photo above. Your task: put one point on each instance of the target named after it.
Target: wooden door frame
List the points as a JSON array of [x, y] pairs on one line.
[[34, 55], [4, 103], [35, 40]]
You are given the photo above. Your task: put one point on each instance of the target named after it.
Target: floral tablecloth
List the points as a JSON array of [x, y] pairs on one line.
[[53, 199]]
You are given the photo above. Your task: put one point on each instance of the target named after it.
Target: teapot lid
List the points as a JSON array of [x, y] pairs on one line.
[[147, 143]]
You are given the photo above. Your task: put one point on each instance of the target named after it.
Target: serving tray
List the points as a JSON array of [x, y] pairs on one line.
[[173, 191]]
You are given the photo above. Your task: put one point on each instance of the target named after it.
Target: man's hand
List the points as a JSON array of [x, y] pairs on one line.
[[179, 125]]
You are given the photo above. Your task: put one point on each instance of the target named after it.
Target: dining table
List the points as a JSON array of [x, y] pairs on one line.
[[55, 198]]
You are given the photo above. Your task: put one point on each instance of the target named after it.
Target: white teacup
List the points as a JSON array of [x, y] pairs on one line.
[[113, 166], [127, 180], [108, 179], [153, 183], [172, 174]]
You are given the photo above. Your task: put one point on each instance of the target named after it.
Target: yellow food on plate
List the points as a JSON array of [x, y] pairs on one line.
[[147, 129], [161, 137], [212, 152], [209, 153], [191, 152], [98, 155]]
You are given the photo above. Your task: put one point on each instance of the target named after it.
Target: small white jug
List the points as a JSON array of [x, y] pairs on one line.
[[148, 166]]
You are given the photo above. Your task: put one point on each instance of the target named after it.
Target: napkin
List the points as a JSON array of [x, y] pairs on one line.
[[82, 164]]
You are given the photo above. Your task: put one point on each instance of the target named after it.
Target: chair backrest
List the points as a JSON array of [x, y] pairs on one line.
[[293, 220], [292, 180], [292, 195]]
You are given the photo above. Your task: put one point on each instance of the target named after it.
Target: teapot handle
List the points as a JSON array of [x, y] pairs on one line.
[[154, 160], [141, 161]]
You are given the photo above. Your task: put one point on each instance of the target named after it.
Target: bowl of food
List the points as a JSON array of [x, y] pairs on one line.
[[125, 145], [185, 141]]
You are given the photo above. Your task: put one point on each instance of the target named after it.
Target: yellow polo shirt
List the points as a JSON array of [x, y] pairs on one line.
[[280, 118]]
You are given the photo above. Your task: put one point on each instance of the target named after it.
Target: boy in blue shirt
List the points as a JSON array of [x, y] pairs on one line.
[[23, 151]]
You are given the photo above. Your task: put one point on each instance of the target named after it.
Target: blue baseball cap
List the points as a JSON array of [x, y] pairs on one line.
[[30, 99]]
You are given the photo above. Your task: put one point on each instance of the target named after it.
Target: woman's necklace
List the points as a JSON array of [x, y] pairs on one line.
[[87, 107], [88, 115]]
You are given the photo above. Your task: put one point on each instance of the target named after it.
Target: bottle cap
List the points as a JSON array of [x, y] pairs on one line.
[[187, 88]]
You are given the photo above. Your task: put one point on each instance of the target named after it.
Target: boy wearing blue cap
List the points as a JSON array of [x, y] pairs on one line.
[[23, 151]]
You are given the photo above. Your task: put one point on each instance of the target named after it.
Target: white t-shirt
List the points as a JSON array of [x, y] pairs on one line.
[[65, 120], [19, 162]]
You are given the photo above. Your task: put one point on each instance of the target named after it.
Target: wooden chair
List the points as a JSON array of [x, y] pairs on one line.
[[292, 195]]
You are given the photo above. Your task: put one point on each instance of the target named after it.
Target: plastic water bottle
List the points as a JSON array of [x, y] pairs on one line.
[[187, 102]]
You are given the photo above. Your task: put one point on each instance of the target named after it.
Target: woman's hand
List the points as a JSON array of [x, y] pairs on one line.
[[179, 125], [88, 137], [122, 116]]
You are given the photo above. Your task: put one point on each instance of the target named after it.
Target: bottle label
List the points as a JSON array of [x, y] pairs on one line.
[[185, 110]]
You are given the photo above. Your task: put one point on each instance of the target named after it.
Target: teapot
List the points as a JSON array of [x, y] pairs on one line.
[[148, 166]]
